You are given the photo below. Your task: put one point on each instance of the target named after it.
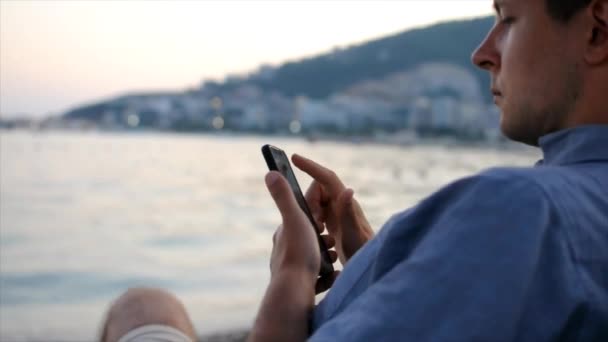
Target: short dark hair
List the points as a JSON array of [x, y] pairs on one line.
[[564, 10]]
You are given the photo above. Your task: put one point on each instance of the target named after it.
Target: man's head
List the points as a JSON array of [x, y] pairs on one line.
[[548, 60], [563, 11]]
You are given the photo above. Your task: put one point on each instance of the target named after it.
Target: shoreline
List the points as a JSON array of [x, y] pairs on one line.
[[404, 139]]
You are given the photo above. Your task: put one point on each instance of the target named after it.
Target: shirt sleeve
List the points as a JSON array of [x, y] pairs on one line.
[[466, 276]]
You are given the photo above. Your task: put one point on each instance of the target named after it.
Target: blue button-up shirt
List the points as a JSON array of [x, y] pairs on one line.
[[510, 254]]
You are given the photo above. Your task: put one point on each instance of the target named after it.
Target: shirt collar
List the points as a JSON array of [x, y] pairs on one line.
[[575, 145]]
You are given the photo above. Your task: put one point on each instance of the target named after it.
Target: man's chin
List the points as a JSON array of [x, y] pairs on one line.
[[518, 133]]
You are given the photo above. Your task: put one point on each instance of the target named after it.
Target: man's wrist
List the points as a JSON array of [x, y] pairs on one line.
[[286, 308], [302, 276]]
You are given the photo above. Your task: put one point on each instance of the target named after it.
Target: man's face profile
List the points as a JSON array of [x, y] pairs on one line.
[[535, 68]]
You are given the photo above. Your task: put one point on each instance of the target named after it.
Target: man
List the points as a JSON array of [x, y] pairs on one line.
[[506, 255]]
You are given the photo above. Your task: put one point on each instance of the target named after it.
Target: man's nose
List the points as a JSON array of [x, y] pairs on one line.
[[486, 56]]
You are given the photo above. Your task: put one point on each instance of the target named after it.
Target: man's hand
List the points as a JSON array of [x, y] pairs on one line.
[[292, 244], [333, 206], [294, 265], [295, 245]]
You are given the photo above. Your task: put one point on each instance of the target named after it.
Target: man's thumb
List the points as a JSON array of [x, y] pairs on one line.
[[281, 193]]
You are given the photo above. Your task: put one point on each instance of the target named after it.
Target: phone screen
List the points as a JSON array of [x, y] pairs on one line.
[[277, 160]]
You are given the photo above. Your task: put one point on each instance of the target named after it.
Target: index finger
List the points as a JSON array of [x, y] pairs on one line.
[[326, 177]]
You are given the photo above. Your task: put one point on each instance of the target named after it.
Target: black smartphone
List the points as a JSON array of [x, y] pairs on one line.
[[277, 160]]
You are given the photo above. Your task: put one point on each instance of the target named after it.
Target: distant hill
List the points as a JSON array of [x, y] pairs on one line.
[[96, 111], [319, 76]]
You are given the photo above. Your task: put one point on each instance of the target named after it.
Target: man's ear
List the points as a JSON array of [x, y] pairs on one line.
[[597, 47]]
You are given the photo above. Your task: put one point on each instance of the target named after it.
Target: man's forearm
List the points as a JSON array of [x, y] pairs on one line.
[[286, 308]]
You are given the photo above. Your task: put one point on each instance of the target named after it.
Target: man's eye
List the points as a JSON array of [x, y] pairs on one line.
[[507, 20]]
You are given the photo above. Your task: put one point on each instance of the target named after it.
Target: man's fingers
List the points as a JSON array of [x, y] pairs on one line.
[[314, 193], [346, 197], [333, 255], [323, 175], [319, 225], [345, 204], [281, 193], [274, 237], [324, 283], [314, 198], [330, 242]]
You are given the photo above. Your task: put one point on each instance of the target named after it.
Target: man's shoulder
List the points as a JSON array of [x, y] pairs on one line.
[[507, 194], [539, 182], [501, 184], [490, 198], [558, 184], [568, 195], [532, 176]]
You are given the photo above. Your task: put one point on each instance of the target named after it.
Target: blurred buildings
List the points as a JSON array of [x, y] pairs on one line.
[[433, 99]]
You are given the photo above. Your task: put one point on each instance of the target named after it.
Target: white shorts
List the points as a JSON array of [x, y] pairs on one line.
[[155, 333]]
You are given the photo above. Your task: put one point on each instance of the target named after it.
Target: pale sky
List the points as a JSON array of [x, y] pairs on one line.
[[55, 55]]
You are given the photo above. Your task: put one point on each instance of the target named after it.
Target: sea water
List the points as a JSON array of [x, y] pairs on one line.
[[85, 216]]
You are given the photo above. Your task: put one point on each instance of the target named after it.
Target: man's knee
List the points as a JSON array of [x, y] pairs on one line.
[[145, 306]]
